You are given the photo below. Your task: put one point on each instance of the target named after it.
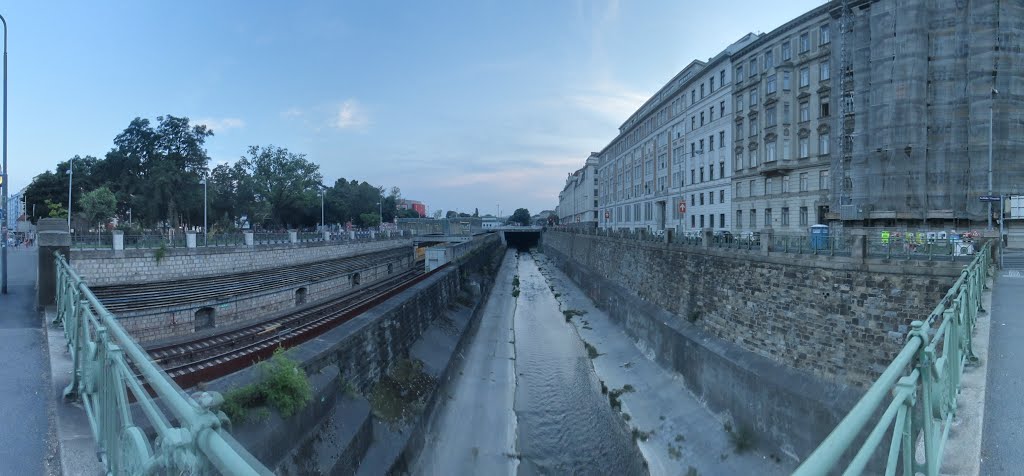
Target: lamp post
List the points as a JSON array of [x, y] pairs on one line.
[[206, 232], [4, 172], [380, 214], [71, 177], [322, 224], [991, 116]]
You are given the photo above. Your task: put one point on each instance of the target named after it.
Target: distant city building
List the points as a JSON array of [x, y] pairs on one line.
[[857, 113], [488, 222], [416, 205], [577, 203], [15, 209]]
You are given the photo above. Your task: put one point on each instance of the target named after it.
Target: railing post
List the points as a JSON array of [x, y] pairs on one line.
[[293, 236], [117, 238], [766, 240], [249, 238], [925, 365], [190, 239]]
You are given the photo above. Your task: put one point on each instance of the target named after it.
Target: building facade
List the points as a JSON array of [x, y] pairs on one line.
[[415, 205], [783, 122], [577, 203], [15, 209], [670, 165]]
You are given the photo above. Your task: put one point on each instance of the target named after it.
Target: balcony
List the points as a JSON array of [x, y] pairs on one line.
[[775, 168]]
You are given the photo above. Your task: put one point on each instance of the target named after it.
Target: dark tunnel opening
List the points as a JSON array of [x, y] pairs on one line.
[[522, 240]]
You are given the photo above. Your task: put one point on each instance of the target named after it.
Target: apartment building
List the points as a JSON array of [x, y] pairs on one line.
[[783, 127], [670, 165], [577, 202]]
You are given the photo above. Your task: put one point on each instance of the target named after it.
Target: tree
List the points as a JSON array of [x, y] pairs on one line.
[[99, 205], [476, 213], [408, 213], [520, 217], [286, 182], [451, 214], [369, 219], [437, 214]]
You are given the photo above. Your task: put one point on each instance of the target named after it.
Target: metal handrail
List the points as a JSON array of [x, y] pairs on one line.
[[102, 378], [924, 399]]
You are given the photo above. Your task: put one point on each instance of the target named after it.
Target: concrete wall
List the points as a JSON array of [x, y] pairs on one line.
[[102, 267], [179, 320], [766, 326]]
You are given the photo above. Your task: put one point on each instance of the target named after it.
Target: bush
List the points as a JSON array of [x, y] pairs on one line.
[[282, 384]]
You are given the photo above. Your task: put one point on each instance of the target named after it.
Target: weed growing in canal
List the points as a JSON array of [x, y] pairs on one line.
[[570, 313], [694, 316], [401, 393], [625, 416], [674, 452], [691, 472], [742, 438], [641, 435], [160, 252], [282, 384], [515, 286], [591, 350], [614, 394]]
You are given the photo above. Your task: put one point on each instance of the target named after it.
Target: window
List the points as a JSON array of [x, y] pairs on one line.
[[785, 113], [753, 188], [739, 73], [805, 112], [824, 108], [721, 170], [739, 189], [753, 128], [702, 120], [823, 35], [785, 184], [823, 72], [786, 53], [702, 180], [721, 109], [711, 172], [805, 42], [770, 85], [739, 103], [693, 123], [785, 80], [721, 220], [803, 216], [823, 180], [739, 130], [692, 179], [711, 198], [693, 199], [711, 218], [693, 96], [693, 149], [753, 217], [693, 221], [753, 67], [769, 60], [702, 90], [753, 98], [701, 148], [803, 182], [753, 158], [784, 219], [767, 217], [721, 77], [768, 186], [823, 144], [739, 218], [739, 160], [711, 113], [711, 84], [805, 77], [661, 184], [769, 152], [721, 139], [702, 221], [721, 199], [769, 116], [804, 148], [711, 142]]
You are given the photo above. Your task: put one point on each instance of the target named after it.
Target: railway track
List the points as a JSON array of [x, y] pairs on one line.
[[214, 356], [121, 299]]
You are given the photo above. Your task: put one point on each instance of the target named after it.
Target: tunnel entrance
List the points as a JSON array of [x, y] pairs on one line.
[[522, 240], [300, 296], [204, 319]]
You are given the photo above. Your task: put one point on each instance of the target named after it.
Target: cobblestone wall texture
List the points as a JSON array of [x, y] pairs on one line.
[[838, 319], [103, 267]]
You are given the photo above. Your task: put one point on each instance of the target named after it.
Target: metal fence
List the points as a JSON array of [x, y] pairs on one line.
[[105, 241], [924, 381], [106, 361]]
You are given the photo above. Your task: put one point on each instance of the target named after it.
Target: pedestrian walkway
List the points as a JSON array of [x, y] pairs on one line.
[[27, 443], [1004, 415]]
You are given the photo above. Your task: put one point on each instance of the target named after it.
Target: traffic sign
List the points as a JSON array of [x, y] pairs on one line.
[[990, 198], [682, 206]]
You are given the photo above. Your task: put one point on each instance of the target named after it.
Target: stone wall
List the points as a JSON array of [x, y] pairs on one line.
[[838, 318], [180, 320], [106, 267]]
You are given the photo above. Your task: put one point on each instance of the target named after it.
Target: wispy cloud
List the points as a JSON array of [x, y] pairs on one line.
[[611, 103], [291, 113], [222, 124], [350, 115]]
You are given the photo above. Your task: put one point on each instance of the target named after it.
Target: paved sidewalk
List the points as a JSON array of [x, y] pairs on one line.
[[1002, 451], [27, 442]]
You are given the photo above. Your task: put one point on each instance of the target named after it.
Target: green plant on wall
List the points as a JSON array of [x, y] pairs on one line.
[[282, 384]]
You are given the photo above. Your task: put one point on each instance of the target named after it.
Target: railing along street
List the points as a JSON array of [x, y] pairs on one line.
[[190, 438], [924, 381]]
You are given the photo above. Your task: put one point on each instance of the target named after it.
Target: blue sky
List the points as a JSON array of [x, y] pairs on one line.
[[460, 104]]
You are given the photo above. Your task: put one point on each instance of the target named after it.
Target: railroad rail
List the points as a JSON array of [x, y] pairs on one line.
[[214, 356], [121, 299]]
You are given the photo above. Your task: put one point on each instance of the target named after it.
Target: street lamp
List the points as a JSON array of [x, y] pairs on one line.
[[322, 224], [380, 214], [206, 232], [990, 120], [71, 176]]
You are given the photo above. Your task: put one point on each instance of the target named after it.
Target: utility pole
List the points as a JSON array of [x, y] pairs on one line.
[[991, 117], [4, 174]]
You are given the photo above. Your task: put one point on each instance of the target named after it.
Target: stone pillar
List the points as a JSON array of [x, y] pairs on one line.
[[52, 236], [293, 236], [859, 246], [373, 235], [190, 239], [668, 235], [706, 237], [351, 234], [118, 240], [766, 240], [327, 235], [248, 238]]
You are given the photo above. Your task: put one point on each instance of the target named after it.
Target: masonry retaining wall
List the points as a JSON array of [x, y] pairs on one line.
[[106, 267], [783, 344]]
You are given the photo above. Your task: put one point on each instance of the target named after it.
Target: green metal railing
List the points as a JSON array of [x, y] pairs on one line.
[[924, 380], [106, 361]]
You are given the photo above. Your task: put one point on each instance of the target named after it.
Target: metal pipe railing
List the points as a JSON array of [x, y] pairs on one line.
[[102, 377]]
